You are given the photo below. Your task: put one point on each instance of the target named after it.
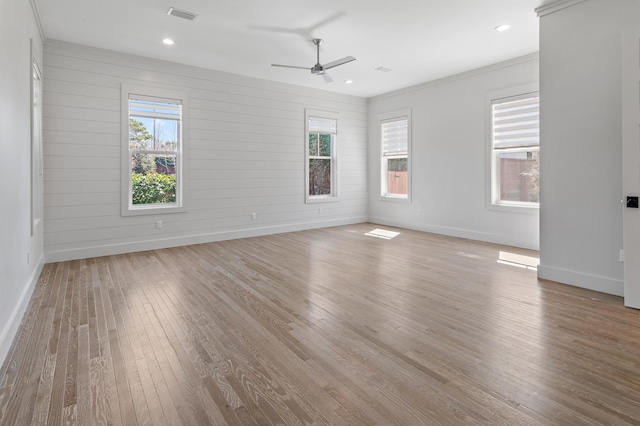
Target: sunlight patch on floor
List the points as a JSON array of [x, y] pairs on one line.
[[382, 233], [518, 260]]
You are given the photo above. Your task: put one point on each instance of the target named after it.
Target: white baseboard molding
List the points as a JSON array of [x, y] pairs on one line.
[[108, 250], [507, 240], [13, 325], [579, 279]]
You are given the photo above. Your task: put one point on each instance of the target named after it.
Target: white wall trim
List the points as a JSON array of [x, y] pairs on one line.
[[503, 239], [9, 333], [463, 75], [113, 249], [555, 6], [36, 16], [579, 279]]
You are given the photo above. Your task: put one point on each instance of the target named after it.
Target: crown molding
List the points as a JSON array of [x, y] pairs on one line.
[[555, 6], [36, 15]]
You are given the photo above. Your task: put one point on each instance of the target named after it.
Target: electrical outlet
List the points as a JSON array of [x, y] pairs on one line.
[[320, 210], [254, 216], [621, 255], [159, 224]]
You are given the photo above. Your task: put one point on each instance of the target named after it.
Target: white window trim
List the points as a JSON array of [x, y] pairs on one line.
[[490, 165], [152, 92], [36, 153], [385, 117], [333, 197]]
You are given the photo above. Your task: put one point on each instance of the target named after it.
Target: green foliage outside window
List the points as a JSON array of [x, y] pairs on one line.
[[153, 188]]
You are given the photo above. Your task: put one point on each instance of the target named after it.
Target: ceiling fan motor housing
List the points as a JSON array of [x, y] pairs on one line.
[[317, 69]]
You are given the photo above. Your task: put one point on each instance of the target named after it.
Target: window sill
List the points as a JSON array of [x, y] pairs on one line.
[[153, 209], [395, 198], [515, 208], [321, 199]]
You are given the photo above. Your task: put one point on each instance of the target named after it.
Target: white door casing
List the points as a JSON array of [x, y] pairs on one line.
[[631, 165]]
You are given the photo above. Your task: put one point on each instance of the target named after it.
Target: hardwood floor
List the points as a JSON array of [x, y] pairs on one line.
[[320, 327]]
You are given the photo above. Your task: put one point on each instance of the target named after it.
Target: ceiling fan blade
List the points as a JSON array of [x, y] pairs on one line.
[[338, 62], [290, 66], [327, 78]]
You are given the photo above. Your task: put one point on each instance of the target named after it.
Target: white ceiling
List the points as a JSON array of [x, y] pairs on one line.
[[419, 40]]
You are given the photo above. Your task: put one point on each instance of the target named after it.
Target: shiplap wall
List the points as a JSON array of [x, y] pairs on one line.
[[245, 154]]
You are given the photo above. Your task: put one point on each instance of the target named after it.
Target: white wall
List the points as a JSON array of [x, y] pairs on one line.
[[17, 276], [581, 171], [246, 154], [449, 147]]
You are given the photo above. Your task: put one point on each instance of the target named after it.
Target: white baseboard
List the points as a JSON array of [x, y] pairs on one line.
[[13, 325], [108, 250], [507, 240], [579, 279]]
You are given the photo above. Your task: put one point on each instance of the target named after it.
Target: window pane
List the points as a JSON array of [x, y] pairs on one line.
[[153, 134], [397, 165], [153, 178], [397, 176], [139, 136], [313, 144], [325, 145], [520, 176], [319, 177]]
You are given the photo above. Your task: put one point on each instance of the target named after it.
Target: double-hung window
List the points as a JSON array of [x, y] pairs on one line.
[[515, 150], [321, 171], [395, 165], [153, 176]]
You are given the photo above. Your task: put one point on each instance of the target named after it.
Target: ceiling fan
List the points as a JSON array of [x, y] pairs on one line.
[[318, 68]]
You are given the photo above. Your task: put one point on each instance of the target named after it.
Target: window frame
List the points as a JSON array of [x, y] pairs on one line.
[[322, 115], [493, 201], [163, 95], [383, 164], [35, 146]]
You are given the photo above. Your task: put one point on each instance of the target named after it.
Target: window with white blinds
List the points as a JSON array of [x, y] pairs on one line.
[[394, 147], [515, 145], [153, 179], [321, 171]]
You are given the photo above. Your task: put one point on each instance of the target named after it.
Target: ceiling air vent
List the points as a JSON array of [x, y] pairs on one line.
[[181, 14]]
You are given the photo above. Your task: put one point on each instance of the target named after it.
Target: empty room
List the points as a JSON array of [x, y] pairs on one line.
[[340, 212]]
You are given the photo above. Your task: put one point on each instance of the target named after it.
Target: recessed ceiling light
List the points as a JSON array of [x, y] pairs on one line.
[[348, 81], [503, 27], [167, 41]]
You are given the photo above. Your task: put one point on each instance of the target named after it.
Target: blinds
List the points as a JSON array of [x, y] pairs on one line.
[[322, 125], [516, 122], [395, 136], [147, 108]]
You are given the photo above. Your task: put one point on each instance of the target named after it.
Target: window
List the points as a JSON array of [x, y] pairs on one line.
[[321, 172], [153, 175], [515, 150], [395, 167]]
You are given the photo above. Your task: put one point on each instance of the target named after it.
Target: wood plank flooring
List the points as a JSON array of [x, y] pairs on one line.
[[328, 326]]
